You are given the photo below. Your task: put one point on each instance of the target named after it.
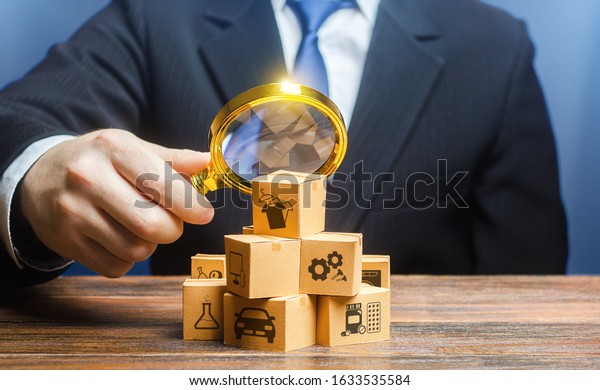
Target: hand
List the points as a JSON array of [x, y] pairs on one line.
[[86, 199]]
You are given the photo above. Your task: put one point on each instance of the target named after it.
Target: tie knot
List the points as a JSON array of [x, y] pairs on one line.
[[312, 13]]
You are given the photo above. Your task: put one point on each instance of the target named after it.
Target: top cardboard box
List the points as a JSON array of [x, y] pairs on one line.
[[289, 204]]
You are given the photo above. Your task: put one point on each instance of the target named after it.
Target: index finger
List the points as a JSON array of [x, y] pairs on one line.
[[156, 178]]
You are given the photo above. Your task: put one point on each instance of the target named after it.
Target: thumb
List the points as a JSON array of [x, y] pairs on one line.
[[184, 161]]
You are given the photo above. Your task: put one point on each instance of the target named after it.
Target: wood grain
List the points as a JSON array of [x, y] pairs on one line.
[[515, 322]]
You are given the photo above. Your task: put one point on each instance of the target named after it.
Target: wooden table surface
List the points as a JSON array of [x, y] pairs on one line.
[[515, 322]]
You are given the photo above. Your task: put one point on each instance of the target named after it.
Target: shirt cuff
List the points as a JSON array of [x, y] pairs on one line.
[[11, 178]]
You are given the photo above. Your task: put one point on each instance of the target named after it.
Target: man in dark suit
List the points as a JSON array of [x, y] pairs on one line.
[[449, 122]]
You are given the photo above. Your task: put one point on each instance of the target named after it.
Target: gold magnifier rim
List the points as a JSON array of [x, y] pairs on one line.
[[272, 93]]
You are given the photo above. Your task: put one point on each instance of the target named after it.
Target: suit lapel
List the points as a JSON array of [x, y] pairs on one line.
[[239, 42], [398, 77]]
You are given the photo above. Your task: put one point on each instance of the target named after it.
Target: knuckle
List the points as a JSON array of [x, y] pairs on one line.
[[109, 139], [104, 139], [80, 173], [207, 215], [173, 229], [139, 251], [118, 269], [147, 226], [177, 231], [114, 273], [155, 227], [66, 208]]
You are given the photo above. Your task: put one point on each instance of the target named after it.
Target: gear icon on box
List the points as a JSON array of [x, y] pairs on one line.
[[338, 257], [319, 269]]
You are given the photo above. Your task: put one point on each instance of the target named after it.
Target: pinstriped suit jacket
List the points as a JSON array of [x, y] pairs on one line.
[[449, 109]]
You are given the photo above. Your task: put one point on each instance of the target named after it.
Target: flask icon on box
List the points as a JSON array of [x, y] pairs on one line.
[[201, 274], [206, 320]]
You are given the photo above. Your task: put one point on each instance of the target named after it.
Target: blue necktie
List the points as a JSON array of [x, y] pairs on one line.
[[309, 68]]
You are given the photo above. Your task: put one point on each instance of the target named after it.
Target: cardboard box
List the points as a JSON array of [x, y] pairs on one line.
[[248, 229], [262, 266], [288, 204], [351, 320], [279, 324], [376, 270], [330, 264], [203, 309], [208, 266]]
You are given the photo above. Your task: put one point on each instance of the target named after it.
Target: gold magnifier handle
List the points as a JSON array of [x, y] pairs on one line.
[[207, 180]]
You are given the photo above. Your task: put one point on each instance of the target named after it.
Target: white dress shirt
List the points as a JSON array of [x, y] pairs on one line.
[[343, 41]]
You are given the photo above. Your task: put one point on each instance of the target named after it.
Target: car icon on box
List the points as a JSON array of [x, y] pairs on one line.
[[254, 322]]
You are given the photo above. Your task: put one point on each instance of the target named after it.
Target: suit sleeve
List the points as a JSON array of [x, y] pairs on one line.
[[519, 222], [98, 79]]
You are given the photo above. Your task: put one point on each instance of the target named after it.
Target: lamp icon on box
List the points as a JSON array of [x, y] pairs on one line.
[[277, 210], [372, 277], [236, 268]]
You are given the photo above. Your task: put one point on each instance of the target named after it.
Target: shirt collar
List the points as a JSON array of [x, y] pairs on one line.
[[367, 7]]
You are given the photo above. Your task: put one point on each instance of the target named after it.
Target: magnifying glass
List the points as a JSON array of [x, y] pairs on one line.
[[280, 126]]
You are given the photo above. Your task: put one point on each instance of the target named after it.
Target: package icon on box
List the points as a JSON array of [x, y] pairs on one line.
[[288, 204], [330, 264], [208, 266], [262, 266], [351, 320], [376, 270], [279, 324], [203, 309]]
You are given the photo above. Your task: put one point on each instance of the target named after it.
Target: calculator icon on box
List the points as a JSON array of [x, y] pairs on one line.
[[373, 317]]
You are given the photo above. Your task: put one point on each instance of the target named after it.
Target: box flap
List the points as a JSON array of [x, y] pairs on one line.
[[290, 297], [331, 236], [285, 177], [209, 256], [375, 258], [257, 238], [204, 282]]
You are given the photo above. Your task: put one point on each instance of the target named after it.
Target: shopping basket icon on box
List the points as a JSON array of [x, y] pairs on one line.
[[277, 210]]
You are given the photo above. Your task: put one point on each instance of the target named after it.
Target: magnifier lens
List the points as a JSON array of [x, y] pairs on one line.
[[273, 127], [278, 135]]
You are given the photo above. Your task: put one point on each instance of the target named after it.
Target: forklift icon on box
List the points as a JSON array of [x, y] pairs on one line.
[[277, 211]]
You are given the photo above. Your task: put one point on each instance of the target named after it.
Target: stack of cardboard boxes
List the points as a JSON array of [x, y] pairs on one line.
[[285, 283]]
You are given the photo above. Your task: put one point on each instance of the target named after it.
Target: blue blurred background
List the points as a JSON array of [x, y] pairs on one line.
[[567, 37]]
